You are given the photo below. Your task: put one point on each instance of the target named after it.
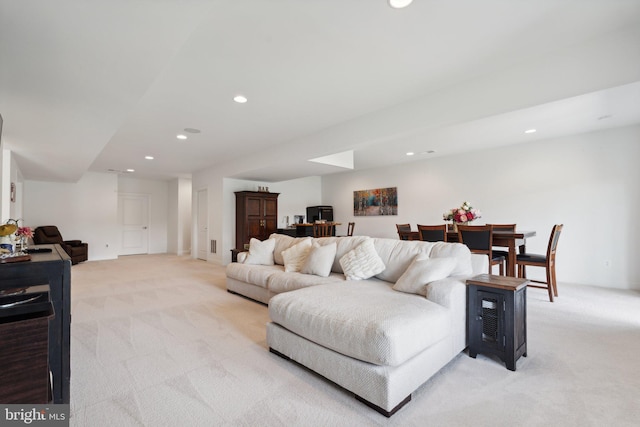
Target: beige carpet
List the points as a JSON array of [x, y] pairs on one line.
[[157, 341]]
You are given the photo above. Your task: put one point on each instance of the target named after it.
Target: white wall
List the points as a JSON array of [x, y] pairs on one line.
[[158, 192], [589, 182], [86, 210], [179, 216]]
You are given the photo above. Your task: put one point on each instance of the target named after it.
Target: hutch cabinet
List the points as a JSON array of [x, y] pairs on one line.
[[256, 216]]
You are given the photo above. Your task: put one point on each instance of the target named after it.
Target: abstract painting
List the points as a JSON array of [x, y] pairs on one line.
[[380, 201]]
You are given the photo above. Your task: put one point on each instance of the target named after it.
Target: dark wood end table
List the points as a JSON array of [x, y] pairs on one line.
[[497, 317]]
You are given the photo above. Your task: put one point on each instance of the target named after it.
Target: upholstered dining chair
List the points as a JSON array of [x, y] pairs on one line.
[[404, 231], [547, 261], [503, 227], [323, 229], [478, 239], [433, 233]]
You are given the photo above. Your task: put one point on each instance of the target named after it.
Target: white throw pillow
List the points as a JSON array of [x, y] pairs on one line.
[[362, 262], [424, 270], [320, 260], [260, 253], [295, 256]]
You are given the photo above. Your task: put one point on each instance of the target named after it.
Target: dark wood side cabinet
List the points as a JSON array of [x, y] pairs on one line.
[[256, 216], [24, 345], [497, 317], [52, 268]]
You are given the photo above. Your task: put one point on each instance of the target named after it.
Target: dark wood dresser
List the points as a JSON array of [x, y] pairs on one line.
[[53, 269]]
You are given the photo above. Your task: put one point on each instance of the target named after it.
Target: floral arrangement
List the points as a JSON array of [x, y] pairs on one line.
[[464, 213], [24, 232]]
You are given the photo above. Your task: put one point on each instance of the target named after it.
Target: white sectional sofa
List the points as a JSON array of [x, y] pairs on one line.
[[379, 335]]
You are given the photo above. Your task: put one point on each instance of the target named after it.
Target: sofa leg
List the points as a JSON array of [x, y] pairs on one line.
[[277, 353], [384, 411]]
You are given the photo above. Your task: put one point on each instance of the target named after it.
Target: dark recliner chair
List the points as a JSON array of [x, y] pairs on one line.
[[49, 234]]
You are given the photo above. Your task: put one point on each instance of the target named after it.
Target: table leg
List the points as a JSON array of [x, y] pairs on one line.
[[511, 259]]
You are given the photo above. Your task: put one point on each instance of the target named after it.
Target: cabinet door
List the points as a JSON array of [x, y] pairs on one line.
[[491, 311], [271, 207]]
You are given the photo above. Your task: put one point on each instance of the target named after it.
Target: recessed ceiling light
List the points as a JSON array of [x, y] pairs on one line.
[[181, 136], [530, 131], [399, 4], [240, 99], [192, 130], [607, 116], [131, 170], [410, 153], [148, 157]]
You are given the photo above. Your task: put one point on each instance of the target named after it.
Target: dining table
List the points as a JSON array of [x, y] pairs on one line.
[[506, 239]]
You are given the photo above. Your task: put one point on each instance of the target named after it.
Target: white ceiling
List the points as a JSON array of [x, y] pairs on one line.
[[98, 85]]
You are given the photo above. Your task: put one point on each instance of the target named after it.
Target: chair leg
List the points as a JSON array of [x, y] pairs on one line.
[[501, 269], [549, 285], [553, 277]]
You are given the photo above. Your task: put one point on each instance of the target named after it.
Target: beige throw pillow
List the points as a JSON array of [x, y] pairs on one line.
[[320, 260], [424, 270], [362, 262], [295, 256], [260, 253]]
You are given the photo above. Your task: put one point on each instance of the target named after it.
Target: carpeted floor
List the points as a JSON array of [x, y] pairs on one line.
[[157, 341]]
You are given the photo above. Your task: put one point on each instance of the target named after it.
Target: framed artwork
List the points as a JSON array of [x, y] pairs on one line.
[[380, 201]]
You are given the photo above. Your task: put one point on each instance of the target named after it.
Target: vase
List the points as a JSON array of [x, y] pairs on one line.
[[454, 225], [21, 244]]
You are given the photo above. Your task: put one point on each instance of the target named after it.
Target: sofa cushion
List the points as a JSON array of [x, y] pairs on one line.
[[366, 320], [285, 282], [295, 256], [283, 242], [454, 250], [260, 252], [343, 245], [252, 274], [319, 260], [397, 255], [423, 270], [362, 262]]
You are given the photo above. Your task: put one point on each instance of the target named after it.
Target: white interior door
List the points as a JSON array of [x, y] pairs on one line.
[[203, 221], [133, 215]]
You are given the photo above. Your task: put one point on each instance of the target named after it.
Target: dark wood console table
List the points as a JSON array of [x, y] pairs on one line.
[[52, 268]]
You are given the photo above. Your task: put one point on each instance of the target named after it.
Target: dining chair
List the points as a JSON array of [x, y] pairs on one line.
[[433, 233], [350, 228], [404, 231], [547, 261], [478, 239], [323, 229], [503, 227]]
